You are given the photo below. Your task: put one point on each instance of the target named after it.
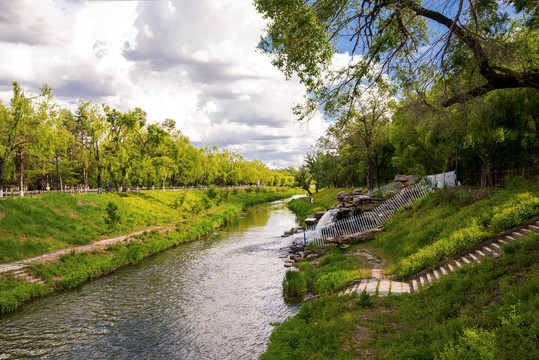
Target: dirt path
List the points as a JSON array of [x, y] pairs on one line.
[[98, 245]]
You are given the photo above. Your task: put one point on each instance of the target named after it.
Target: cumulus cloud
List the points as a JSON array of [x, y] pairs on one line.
[[192, 61]]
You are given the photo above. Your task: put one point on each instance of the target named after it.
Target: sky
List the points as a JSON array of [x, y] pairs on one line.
[[193, 61]]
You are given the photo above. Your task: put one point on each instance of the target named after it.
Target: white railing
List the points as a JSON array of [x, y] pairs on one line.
[[370, 219]]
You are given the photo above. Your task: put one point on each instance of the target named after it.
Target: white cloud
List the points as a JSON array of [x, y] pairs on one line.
[[192, 61]]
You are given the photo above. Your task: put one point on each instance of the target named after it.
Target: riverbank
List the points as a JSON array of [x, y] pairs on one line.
[[481, 311], [81, 219]]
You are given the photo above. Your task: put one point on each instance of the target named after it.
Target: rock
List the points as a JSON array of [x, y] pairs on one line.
[[288, 233], [310, 257], [341, 195], [310, 221], [406, 180], [318, 215], [299, 259], [288, 265], [358, 192]]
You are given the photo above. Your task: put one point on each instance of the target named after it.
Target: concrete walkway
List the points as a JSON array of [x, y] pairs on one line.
[[377, 285]]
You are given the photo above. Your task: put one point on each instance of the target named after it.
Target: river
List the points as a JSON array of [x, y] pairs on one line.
[[211, 299]]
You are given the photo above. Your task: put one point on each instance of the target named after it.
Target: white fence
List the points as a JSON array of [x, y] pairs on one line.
[[370, 219]]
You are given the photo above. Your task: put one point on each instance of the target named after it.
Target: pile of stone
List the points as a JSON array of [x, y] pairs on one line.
[[406, 180], [357, 200], [299, 256]]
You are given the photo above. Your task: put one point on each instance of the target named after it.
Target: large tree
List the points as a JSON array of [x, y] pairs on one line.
[[473, 44]]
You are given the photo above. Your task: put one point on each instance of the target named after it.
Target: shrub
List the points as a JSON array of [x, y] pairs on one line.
[[521, 208], [294, 283], [472, 344], [365, 300]]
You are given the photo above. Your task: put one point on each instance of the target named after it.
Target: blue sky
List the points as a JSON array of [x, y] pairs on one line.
[[192, 61]]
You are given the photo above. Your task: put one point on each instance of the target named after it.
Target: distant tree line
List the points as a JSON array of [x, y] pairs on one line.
[[43, 145]]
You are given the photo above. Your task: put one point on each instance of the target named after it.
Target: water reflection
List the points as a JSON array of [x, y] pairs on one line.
[[211, 299]]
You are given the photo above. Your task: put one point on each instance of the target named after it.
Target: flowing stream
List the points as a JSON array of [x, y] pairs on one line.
[[210, 299]]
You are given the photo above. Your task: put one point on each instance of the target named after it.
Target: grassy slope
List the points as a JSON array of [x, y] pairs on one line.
[[74, 269], [323, 200], [488, 311], [33, 226], [491, 308]]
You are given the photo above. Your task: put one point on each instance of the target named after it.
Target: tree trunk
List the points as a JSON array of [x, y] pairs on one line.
[[369, 173], [84, 176], [535, 118], [2, 178], [21, 190], [376, 171], [485, 167]]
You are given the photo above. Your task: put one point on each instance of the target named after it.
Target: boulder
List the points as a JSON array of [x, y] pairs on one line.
[[357, 192]]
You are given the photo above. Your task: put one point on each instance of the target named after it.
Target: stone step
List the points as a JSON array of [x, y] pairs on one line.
[[533, 227], [474, 257], [415, 285], [436, 273], [502, 242], [371, 286], [480, 253], [450, 267], [430, 277], [496, 246], [465, 260], [443, 270], [511, 238], [383, 288], [423, 281], [458, 263]]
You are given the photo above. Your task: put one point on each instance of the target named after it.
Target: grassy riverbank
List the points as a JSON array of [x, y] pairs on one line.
[[486, 311], [66, 220]]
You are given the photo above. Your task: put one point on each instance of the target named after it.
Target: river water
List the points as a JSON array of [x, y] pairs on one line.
[[210, 299]]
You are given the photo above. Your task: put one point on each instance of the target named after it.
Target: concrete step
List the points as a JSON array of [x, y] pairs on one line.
[[480, 253], [458, 263], [371, 286], [533, 227], [423, 281], [383, 287], [443, 271], [474, 257], [465, 260], [450, 267], [415, 285], [430, 277], [437, 273]]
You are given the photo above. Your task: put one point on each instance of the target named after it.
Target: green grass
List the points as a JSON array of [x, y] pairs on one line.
[[486, 311], [323, 200], [74, 269], [33, 226], [449, 222], [332, 273]]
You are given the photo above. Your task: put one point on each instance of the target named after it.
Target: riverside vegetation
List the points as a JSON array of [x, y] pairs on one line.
[[35, 226], [485, 311]]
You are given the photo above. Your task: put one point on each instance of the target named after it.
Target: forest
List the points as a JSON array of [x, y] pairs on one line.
[[44, 146]]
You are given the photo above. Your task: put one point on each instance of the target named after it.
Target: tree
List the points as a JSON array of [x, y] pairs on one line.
[[92, 131], [415, 42]]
